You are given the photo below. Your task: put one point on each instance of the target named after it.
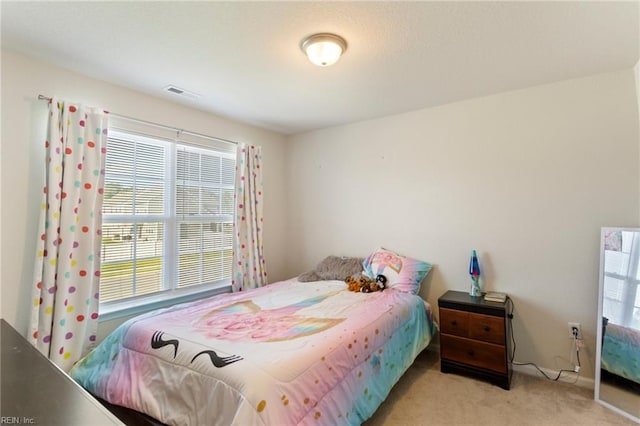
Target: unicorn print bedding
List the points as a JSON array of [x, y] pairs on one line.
[[288, 353]]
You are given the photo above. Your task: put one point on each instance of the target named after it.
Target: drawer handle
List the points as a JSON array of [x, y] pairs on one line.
[[471, 352], [487, 328], [454, 322]]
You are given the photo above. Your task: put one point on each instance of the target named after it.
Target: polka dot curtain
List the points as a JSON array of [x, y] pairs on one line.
[[249, 269], [67, 271]]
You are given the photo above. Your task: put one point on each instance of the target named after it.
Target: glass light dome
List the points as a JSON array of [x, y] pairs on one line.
[[323, 49]]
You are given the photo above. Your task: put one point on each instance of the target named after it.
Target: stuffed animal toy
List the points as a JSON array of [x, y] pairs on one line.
[[378, 285], [364, 284], [381, 280], [355, 282]]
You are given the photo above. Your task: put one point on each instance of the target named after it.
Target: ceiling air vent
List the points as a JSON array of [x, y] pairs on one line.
[[180, 92]]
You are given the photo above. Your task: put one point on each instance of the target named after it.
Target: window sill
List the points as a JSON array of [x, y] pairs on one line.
[[114, 310]]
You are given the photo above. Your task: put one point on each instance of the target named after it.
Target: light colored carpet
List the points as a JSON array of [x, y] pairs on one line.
[[425, 396]]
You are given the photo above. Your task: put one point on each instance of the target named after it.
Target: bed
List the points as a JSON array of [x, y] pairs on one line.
[[620, 349], [289, 353]]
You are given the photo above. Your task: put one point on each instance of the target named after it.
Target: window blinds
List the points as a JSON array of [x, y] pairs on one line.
[[167, 216]]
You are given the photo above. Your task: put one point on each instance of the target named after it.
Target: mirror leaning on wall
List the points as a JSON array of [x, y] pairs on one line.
[[617, 375]]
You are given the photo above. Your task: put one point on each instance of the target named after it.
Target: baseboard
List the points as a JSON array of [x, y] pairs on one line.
[[583, 382]]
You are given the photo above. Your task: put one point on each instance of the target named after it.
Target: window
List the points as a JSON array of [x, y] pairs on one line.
[[167, 218]]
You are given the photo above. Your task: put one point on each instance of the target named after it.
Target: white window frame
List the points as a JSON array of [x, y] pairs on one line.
[[170, 294]]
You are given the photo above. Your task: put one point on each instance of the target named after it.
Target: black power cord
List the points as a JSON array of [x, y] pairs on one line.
[[510, 308]]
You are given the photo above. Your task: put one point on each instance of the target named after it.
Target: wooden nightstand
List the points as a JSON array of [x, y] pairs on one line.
[[475, 337]]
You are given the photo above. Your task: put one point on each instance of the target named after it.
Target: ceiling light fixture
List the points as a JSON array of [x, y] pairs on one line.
[[323, 49]]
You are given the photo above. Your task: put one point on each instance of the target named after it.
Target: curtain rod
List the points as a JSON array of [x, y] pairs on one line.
[[151, 123]]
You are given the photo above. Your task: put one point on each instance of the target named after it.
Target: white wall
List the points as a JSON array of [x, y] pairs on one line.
[[527, 178], [22, 149], [636, 73]]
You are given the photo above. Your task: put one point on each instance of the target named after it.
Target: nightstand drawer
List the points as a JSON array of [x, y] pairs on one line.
[[454, 322], [487, 328], [473, 352], [475, 326]]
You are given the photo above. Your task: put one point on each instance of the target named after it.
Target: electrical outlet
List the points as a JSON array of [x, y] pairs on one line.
[[575, 330]]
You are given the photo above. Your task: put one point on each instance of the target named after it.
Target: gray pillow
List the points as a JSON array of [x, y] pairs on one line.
[[334, 268]]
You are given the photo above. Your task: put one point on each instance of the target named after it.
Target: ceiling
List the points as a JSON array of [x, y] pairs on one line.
[[244, 58]]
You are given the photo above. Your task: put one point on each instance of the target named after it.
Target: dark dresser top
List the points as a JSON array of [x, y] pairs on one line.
[[35, 391], [462, 300]]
